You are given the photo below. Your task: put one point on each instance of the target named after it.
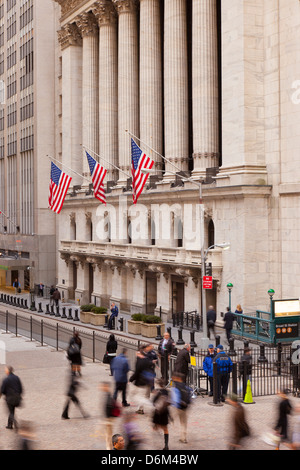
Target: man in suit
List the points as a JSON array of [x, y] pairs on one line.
[[165, 350], [12, 389], [182, 362]]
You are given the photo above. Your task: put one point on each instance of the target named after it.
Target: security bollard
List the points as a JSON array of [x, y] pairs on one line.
[[180, 340], [57, 312], [47, 310], [70, 315], [158, 336], [64, 313], [25, 304], [262, 357], [106, 322], [192, 340], [121, 321], [232, 351], [217, 340], [52, 313], [40, 310], [76, 318]]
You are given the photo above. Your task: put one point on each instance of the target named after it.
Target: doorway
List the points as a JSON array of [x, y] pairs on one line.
[[151, 293], [177, 296]]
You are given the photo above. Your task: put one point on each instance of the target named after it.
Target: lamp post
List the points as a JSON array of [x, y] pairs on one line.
[[271, 293], [229, 287], [204, 342]]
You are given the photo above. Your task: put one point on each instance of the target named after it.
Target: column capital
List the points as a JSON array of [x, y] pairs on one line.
[[87, 24], [69, 35], [105, 12], [125, 6]]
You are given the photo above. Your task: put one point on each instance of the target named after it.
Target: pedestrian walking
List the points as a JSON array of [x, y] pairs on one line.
[[240, 427], [183, 361], [238, 311], [109, 411], [141, 378], [74, 353], [111, 350], [229, 318], [17, 286], [52, 290], [12, 389], [27, 437], [120, 368], [284, 410], [224, 367], [74, 384], [114, 312], [132, 433], [165, 349], [208, 367], [56, 297], [181, 399], [41, 289], [245, 369], [211, 317], [152, 356], [161, 415]]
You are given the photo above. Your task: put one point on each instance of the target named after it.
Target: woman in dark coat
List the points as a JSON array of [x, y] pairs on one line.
[[111, 350], [74, 353], [161, 414]]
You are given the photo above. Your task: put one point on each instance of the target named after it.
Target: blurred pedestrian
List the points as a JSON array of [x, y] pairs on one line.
[[114, 312], [295, 444], [118, 442], [240, 427], [56, 297], [41, 289], [182, 361], [224, 368], [111, 350], [132, 433], [165, 349], [208, 367], [245, 369], [142, 377], [238, 311], [284, 410], [151, 354], [74, 384], [211, 317], [120, 368], [17, 286], [74, 353], [12, 388], [181, 399], [52, 290], [27, 437], [161, 415], [109, 412], [229, 318]]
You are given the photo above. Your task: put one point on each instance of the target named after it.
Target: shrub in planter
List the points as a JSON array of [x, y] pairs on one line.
[[97, 316], [149, 326], [134, 324], [87, 307], [85, 313], [98, 310], [151, 319]]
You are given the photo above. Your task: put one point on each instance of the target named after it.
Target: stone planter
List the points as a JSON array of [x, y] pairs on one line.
[[149, 330], [97, 319], [134, 327], [85, 317]]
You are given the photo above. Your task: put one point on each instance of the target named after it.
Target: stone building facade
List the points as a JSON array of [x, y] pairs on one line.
[[208, 89], [27, 136]]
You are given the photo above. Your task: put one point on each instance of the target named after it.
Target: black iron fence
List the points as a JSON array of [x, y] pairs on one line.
[[189, 320]]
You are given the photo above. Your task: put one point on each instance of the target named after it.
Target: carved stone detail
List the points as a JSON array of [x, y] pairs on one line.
[[69, 35]]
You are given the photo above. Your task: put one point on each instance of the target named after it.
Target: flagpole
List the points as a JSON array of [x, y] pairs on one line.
[[153, 150], [109, 163], [81, 176]]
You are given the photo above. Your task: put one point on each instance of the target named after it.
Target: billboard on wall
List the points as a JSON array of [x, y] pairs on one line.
[[286, 308]]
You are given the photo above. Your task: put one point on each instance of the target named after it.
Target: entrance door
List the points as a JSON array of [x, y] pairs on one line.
[[91, 282], [151, 292], [177, 296]]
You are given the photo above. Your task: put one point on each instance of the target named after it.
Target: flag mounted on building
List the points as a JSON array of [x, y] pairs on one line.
[[59, 185], [139, 161], [98, 174]]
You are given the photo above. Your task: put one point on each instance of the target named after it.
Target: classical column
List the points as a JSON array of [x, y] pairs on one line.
[[87, 24], [205, 87], [108, 85], [128, 82], [176, 87], [151, 109], [71, 45]]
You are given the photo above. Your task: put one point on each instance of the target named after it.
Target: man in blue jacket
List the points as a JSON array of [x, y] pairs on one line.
[[120, 368], [114, 313], [208, 366], [224, 367]]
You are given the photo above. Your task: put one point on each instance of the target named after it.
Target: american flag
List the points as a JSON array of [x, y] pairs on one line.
[[139, 160], [59, 185], [98, 174]]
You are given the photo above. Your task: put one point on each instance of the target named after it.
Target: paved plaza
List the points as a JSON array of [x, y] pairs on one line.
[[44, 374]]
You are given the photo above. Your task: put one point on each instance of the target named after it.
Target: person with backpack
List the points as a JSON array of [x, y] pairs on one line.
[[181, 399], [224, 367], [161, 415]]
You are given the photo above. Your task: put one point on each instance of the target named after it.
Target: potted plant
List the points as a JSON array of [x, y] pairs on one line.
[[134, 324], [97, 316], [85, 313], [149, 326]]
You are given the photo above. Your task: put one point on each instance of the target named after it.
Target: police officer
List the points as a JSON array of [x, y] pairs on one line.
[[224, 367]]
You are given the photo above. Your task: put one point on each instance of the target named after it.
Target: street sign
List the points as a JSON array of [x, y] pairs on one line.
[[207, 282]]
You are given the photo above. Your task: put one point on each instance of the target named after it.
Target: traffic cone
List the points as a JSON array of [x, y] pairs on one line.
[[248, 400]]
